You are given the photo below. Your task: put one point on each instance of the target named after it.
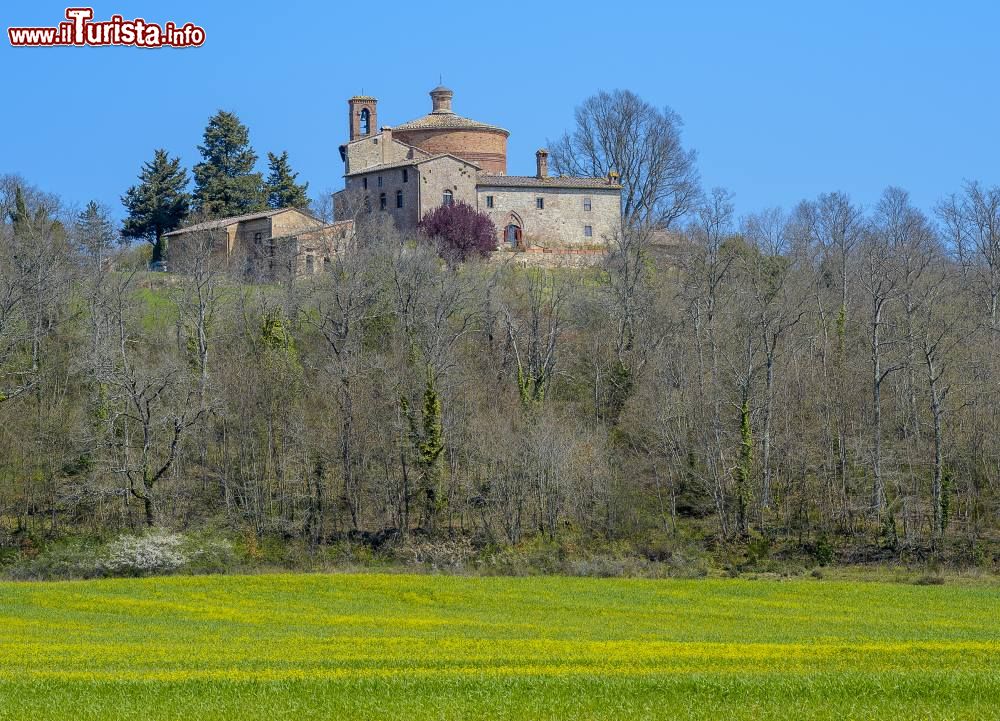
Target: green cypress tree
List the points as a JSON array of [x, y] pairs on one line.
[[282, 190], [19, 217], [28, 226], [225, 181], [158, 203]]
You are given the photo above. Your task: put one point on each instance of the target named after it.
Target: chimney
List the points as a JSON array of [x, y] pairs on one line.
[[542, 163], [386, 142], [441, 100], [362, 116]]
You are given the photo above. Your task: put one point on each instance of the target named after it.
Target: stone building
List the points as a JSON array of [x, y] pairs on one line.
[[264, 244], [444, 158]]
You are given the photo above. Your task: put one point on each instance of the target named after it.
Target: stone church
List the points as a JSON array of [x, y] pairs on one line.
[[444, 158]]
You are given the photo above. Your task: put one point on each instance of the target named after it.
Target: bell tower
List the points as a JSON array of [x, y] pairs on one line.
[[362, 116]]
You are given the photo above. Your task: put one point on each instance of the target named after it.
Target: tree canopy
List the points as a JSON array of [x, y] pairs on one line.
[[281, 188], [159, 203], [226, 183]]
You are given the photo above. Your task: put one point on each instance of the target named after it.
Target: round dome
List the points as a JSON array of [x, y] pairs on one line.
[[443, 131]]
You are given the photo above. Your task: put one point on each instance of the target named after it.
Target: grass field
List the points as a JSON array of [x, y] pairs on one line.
[[433, 647]]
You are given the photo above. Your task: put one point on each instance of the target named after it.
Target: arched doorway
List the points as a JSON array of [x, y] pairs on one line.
[[513, 233]]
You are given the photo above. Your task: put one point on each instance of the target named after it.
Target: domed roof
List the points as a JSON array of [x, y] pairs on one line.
[[442, 117], [447, 121]]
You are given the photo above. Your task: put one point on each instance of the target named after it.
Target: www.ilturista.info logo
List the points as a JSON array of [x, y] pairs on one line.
[[81, 30]]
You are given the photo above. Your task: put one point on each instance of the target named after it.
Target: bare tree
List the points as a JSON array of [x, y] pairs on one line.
[[620, 132], [973, 226], [778, 305], [149, 405]]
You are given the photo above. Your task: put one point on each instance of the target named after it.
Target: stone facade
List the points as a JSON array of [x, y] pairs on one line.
[[563, 219], [411, 169], [265, 245]]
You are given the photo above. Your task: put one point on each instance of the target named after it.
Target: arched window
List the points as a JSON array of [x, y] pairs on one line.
[[449, 198], [399, 198], [366, 119]]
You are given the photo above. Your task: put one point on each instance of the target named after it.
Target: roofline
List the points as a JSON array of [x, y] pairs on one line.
[[236, 219], [410, 162], [486, 127], [547, 182]]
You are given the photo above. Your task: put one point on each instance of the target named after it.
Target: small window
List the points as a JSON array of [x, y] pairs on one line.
[[540, 203], [588, 231], [399, 198], [406, 175], [449, 198], [326, 264], [586, 204], [310, 264], [489, 201], [381, 201], [364, 183], [257, 236], [380, 181]]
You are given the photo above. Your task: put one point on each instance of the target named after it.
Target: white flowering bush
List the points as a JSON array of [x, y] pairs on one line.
[[155, 552]]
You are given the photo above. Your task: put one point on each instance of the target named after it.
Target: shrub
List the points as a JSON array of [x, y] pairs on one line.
[[74, 559], [463, 231], [156, 552], [206, 554]]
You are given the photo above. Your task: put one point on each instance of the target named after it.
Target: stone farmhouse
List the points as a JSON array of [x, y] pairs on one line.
[[266, 244], [444, 158]]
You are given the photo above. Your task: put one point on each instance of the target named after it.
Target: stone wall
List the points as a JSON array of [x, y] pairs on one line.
[[563, 219], [377, 150], [442, 174], [392, 181]]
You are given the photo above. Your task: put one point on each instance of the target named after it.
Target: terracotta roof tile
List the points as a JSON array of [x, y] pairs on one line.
[[552, 181], [224, 222], [446, 121], [408, 163]]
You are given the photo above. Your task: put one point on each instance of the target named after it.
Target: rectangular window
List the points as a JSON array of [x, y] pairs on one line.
[[540, 203], [406, 176], [588, 231], [364, 183], [489, 201], [586, 204], [380, 181], [399, 198], [381, 201]]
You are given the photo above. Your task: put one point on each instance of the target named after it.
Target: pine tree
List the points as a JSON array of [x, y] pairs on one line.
[[281, 188], [225, 181], [94, 232], [158, 203]]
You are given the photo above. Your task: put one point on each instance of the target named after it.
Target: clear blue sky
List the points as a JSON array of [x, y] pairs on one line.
[[782, 101]]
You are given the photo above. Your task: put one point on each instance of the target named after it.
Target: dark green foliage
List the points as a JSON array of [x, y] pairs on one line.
[[225, 181], [744, 466], [427, 439], [281, 188], [159, 203]]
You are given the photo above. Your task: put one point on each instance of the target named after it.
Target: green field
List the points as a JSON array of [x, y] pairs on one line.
[[433, 647]]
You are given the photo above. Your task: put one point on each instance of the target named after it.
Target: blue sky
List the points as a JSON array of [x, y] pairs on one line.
[[781, 100]]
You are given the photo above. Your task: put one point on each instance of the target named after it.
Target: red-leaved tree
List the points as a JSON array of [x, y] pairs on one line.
[[462, 231]]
